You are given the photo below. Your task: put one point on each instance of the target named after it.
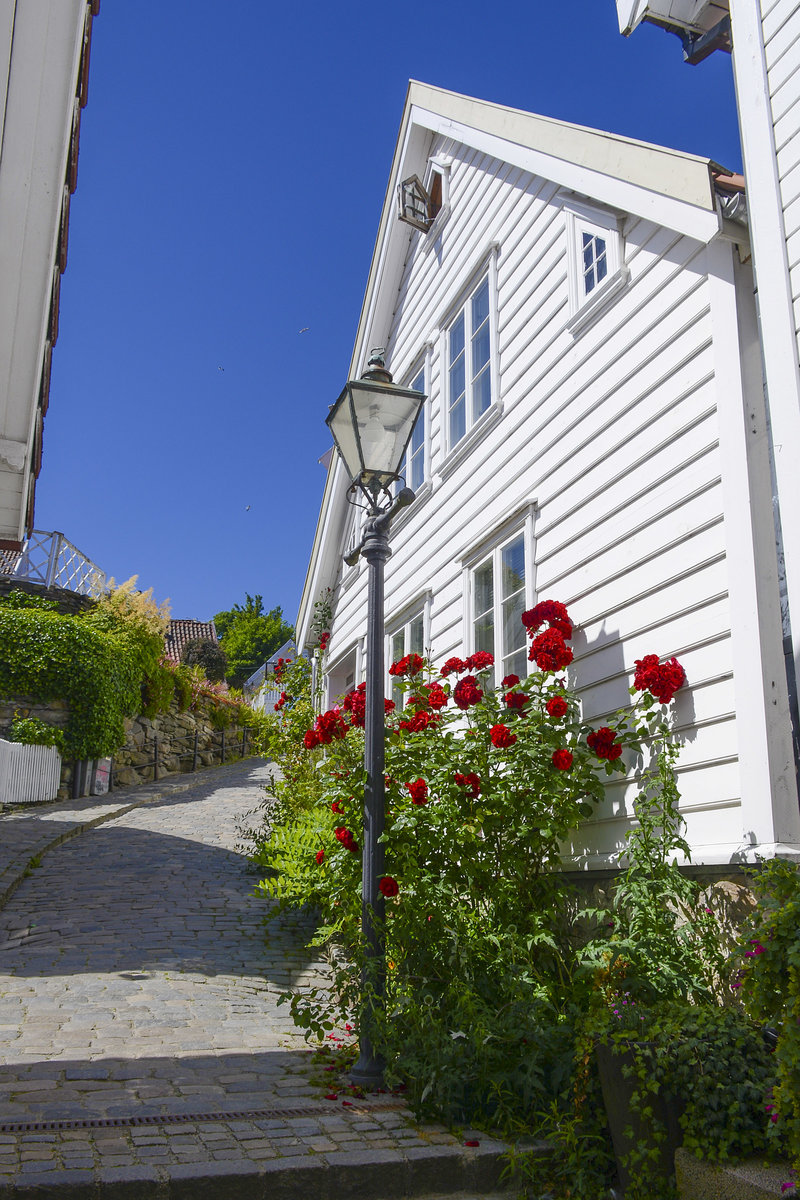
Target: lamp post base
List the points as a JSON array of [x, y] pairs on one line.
[[368, 1071]]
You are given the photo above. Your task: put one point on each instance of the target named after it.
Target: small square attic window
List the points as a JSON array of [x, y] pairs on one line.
[[420, 206], [595, 256]]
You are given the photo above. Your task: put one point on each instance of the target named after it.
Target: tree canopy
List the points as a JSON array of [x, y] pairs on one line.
[[249, 635]]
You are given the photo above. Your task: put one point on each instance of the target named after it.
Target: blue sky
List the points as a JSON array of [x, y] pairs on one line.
[[233, 164]]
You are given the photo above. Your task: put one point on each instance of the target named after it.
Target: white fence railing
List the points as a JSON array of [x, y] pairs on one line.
[[28, 773], [51, 560]]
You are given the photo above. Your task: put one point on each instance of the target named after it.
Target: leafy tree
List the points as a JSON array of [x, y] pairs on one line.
[[200, 652], [249, 635]]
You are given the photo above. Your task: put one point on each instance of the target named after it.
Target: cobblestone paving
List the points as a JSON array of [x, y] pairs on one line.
[[135, 981]]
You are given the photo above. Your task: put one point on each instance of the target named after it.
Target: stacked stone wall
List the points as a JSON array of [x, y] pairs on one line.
[[183, 740]]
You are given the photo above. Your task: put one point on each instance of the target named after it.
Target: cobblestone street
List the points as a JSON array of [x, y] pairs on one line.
[[141, 1044]]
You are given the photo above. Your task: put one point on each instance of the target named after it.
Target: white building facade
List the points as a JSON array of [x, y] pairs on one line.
[[580, 315], [44, 57]]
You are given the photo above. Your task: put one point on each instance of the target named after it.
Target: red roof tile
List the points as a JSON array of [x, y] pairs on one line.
[[181, 632]]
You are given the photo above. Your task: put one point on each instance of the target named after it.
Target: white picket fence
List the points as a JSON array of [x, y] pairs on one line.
[[28, 773]]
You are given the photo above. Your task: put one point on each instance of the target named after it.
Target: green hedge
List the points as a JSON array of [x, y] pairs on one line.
[[48, 656]]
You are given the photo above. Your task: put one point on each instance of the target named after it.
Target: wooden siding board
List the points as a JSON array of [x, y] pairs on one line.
[[773, 21]]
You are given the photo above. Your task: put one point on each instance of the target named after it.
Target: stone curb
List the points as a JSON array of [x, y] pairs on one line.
[[16, 870], [427, 1173]]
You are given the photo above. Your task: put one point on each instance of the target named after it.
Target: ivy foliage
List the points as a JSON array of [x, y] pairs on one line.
[[48, 656], [32, 731]]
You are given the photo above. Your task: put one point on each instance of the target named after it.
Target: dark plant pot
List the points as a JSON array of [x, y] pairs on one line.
[[612, 1062]]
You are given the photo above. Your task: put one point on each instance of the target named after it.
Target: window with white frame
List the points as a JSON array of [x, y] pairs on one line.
[[412, 468], [595, 258], [469, 363], [407, 638], [498, 599]]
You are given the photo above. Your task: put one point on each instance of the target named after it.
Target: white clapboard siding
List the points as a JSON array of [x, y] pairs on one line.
[[614, 435], [28, 773]]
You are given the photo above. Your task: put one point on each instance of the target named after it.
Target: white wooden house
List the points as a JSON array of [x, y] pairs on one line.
[[763, 38], [44, 77], [580, 314]]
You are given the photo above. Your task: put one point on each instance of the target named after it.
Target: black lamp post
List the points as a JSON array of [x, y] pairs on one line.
[[372, 422]]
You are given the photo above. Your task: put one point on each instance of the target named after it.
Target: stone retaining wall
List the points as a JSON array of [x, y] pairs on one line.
[[175, 733]]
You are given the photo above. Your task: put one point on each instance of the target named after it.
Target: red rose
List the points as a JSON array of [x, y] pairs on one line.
[[310, 739], [510, 681], [388, 886], [562, 759], [453, 665], [603, 742], [471, 781], [662, 680], [418, 722], [336, 807], [329, 726], [516, 700], [479, 661], [549, 651], [556, 707], [466, 692], [552, 611], [412, 664], [418, 791], [502, 737], [345, 837], [437, 696], [320, 856], [389, 706]]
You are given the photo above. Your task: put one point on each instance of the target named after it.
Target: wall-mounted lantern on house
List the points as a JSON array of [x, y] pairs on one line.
[[371, 423]]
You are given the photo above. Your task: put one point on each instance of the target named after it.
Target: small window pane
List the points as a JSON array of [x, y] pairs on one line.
[[588, 255], [484, 633], [481, 393], [516, 664], [484, 590], [456, 338], [602, 266], [457, 381], [513, 629], [480, 349], [480, 305], [458, 425], [416, 635], [398, 645], [513, 558]]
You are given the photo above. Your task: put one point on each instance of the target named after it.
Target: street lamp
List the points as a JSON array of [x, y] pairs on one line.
[[372, 422]]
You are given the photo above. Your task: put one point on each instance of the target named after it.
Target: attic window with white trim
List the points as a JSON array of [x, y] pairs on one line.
[[597, 271], [420, 206]]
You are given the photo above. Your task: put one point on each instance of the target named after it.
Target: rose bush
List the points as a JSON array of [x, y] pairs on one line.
[[483, 787]]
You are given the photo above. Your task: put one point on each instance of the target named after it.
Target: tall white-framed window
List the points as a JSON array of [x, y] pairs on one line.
[[470, 384], [498, 587], [408, 634], [413, 468], [595, 258], [499, 598]]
